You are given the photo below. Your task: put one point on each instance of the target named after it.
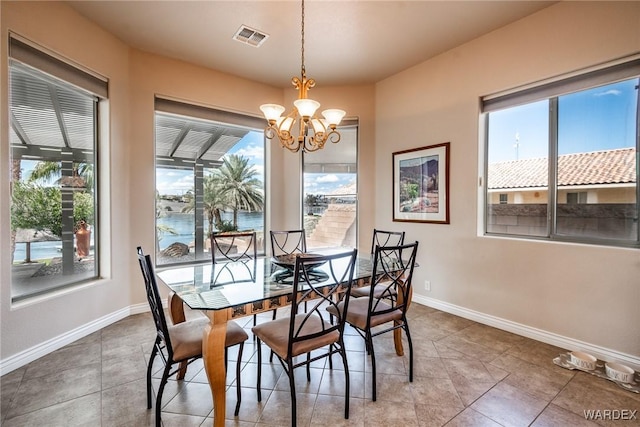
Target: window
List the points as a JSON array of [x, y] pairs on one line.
[[209, 179], [577, 198], [566, 154], [53, 138], [330, 188], [504, 199]]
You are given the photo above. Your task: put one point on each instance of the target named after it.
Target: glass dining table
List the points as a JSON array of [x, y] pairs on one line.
[[230, 290]]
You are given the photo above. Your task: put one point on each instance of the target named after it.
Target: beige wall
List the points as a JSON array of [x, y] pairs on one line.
[[128, 162], [32, 323], [585, 293]]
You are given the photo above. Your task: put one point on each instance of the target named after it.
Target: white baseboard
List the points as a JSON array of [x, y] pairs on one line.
[[143, 308], [567, 343], [18, 360]]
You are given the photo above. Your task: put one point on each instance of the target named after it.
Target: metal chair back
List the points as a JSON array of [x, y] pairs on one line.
[[392, 275], [288, 242], [386, 238], [310, 290], [155, 301], [233, 246]]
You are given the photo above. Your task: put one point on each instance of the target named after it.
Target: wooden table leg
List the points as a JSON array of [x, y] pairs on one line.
[[397, 334], [213, 357]]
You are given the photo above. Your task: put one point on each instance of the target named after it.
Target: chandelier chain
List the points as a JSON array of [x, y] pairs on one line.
[[304, 71]]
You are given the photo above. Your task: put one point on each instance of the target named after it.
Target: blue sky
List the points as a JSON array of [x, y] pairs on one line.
[[597, 119], [318, 183]]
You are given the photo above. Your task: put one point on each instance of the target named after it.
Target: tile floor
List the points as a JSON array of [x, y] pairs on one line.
[[466, 374]]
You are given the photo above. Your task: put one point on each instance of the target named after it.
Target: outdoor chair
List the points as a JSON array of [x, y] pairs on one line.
[[373, 316], [181, 343], [293, 339]]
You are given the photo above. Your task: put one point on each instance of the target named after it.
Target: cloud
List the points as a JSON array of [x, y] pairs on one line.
[[328, 178], [326, 183], [614, 92], [173, 186], [252, 151]]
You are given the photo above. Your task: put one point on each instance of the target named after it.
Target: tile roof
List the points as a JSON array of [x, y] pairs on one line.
[[596, 167]]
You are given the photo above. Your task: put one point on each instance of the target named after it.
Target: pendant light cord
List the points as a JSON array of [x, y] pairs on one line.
[[304, 71]]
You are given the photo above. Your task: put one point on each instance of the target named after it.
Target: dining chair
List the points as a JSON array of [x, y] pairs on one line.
[[293, 338], [288, 242], [233, 246], [373, 316], [180, 344], [386, 238], [380, 238]]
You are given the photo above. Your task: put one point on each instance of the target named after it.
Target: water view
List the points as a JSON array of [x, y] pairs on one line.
[[182, 224]]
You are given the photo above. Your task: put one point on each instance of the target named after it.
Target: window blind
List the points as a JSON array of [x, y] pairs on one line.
[[42, 61], [219, 116], [563, 86]]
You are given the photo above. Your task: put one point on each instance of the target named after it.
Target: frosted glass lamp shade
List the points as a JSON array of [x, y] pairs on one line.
[[272, 111], [319, 126], [306, 107], [285, 124], [333, 116]]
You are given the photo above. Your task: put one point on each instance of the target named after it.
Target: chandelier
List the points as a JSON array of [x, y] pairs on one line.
[[314, 132]]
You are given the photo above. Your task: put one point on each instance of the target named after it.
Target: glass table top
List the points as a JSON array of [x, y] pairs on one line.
[[220, 286]]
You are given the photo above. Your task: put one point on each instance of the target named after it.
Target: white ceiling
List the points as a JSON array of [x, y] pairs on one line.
[[346, 42]]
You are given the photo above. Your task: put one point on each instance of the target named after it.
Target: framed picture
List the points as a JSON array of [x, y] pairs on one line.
[[421, 184]]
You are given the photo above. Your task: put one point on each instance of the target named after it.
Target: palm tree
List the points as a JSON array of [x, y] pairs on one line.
[[161, 229], [82, 173], [214, 202], [236, 180]]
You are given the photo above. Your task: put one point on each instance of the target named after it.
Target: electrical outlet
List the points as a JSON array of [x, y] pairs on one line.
[[427, 285]]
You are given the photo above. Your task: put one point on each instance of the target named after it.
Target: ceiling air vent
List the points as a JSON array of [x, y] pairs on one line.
[[250, 36]]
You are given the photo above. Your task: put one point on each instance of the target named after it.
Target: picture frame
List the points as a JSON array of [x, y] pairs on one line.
[[421, 184]]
